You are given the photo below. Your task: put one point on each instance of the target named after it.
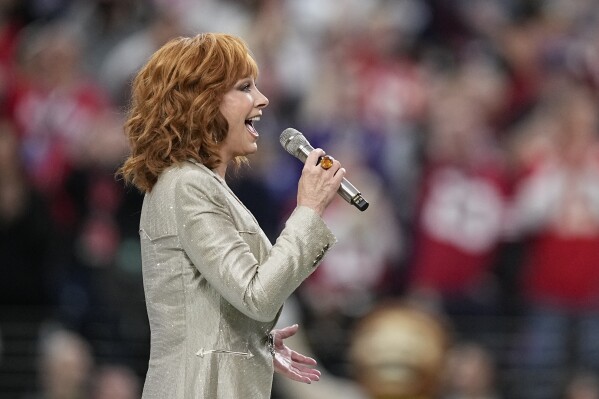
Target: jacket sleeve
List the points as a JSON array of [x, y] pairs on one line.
[[219, 251]]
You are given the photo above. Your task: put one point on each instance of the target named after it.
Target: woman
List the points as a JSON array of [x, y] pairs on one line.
[[214, 284]]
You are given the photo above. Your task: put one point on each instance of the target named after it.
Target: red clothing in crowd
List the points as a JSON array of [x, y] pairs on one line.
[[562, 266], [458, 228], [564, 270]]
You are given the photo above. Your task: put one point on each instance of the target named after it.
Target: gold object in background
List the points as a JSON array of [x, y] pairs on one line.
[[398, 352]]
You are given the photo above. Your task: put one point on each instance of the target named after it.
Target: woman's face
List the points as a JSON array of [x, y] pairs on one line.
[[241, 106]]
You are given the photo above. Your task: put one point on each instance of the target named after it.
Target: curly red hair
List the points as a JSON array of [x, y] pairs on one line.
[[174, 113]]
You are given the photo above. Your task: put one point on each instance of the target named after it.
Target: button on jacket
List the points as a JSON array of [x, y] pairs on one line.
[[215, 285]]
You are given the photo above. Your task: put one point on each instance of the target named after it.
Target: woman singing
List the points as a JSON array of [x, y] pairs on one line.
[[213, 282]]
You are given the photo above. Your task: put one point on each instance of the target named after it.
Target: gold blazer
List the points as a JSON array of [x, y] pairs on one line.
[[214, 285]]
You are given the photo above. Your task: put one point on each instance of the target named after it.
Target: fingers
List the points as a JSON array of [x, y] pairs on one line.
[[298, 357], [339, 175], [301, 377], [312, 374], [297, 372], [314, 155], [317, 157], [318, 186], [336, 169], [290, 363], [288, 331]]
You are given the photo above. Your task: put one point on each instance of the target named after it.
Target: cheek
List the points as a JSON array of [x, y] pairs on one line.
[[230, 110], [225, 110]]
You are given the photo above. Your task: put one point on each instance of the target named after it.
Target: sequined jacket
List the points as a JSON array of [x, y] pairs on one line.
[[215, 285]]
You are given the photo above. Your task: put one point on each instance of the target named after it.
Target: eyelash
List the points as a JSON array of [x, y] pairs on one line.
[[246, 87]]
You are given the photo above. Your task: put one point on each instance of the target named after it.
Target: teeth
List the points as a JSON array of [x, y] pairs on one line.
[[254, 119]]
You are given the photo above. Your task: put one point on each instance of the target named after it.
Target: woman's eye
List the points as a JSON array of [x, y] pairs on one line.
[[246, 87]]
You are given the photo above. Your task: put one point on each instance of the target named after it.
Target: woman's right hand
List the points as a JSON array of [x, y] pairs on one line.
[[317, 187]]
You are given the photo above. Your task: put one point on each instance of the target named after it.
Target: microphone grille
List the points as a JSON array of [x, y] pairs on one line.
[[292, 140]]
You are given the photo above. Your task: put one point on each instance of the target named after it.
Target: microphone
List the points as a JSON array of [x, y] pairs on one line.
[[297, 145]]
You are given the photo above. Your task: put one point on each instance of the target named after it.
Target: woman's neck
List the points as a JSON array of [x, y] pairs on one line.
[[221, 169]]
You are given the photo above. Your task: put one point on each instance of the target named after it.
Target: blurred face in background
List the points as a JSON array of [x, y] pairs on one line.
[[65, 366]]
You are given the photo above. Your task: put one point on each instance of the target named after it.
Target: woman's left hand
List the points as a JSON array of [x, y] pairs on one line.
[[290, 363]]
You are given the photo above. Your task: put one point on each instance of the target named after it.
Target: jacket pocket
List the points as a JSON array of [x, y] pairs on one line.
[[154, 237], [203, 352]]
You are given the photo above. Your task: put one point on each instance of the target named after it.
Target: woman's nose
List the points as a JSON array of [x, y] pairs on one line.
[[261, 100]]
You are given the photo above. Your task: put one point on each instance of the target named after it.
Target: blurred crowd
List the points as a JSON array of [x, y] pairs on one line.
[[471, 127]]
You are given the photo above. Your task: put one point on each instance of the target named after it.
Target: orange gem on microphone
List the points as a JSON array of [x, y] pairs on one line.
[[326, 162]]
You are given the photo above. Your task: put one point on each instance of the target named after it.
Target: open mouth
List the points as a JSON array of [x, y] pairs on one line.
[[249, 124]]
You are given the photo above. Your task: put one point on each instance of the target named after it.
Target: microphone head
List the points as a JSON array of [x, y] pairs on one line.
[[292, 140]]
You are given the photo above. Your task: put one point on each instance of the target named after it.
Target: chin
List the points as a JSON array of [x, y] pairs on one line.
[[252, 150]]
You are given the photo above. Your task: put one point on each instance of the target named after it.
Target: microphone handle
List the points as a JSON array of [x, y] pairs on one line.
[[346, 190]]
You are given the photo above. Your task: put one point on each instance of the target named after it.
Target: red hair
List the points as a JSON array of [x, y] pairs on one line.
[[174, 113]]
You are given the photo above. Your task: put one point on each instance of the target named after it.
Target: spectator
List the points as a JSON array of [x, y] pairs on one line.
[[122, 61], [54, 107], [65, 366], [556, 212], [470, 373], [582, 385], [462, 200], [24, 225], [115, 382]]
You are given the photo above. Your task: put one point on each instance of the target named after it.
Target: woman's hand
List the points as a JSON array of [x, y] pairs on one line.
[[288, 362], [317, 186]]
